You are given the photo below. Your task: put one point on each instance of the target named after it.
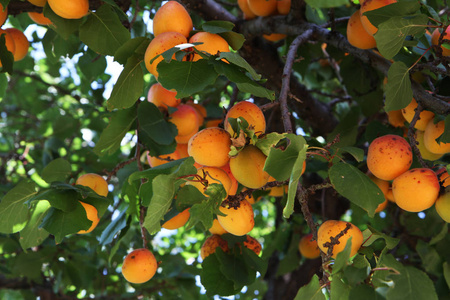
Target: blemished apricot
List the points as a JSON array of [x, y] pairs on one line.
[[21, 43], [435, 40], [331, 229], [308, 247], [9, 42], [212, 44], [234, 183], [210, 245], [96, 182], [3, 14], [274, 37], [263, 8], [416, 189], [283, 7], [389, 156], [369, 5], [158, 45], [384, 187], [422, 149], [162, 97], [74, 9], [210, 147], [425, 115], [250, 112], [92, 215], [443, 176], [253, 244], [177, 221], [395, 118], [238, 221], [39, 18], [212, 175], [40, 3], [216, 228], [442, 206], [431, 133], [356, 34], [172, 16], [185, 118], [248, 167], [248, 14], [155, 161], [139, 266]]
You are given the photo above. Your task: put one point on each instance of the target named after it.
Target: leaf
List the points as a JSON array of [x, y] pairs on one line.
[[446, 268], [398, 87], [103, 32], [65, 200], [213, 280], [365, 292], [131, 47], [293, 182], [396, 9], [412, 284], [13, 211], [33, 235], [326, 3], [445, 137], [236, 59], [64, 27], [357, 153], [3, 82], [57, 170], [343, 257], [311, 291], [266, 143], [152, 125], [217, 26], [371, 235], [6, 57], [235, 40], [234, 268], [356, 187], [114, 227]]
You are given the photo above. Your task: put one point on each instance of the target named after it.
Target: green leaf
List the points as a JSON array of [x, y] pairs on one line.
[[65, 200], [6, 57], [412, 284], [217, 26], [356, 187], [64, 27], [13, 211], [33, 235], [57, 170], [396, 9], [371, 235], [266, 143], [213, 280], [114, 227], [129, 48], [342, 258], [234, 39], [440, 236], [234, 268], [3, 82], [398, 87], [311, 291], [326, 3], [255, 262], [357, 153], [339, 288], [129, 85], [445, 136], [92, 65], [446, 268], [152, 125], [365, 292], [103, 32], [293, 182], [236, 59], [9, 294]]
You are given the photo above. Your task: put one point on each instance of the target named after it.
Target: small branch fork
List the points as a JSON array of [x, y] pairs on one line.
[[412, 138]]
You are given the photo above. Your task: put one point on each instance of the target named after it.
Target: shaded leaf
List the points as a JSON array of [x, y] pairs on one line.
[[33, 235], [398, 87], [57, 170], [311, 291]]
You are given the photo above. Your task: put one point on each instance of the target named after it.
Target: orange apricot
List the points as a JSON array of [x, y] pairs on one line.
[[92, 215], [248, 167], [237, 221], [96, 182], [155, 161], [416, 189], [39, 18], [162, 97], [308, 247], [21, 43], [216, 228], [211, 175], [139, 266], [213, 123], [182, 150], [248, 14], [435, 40], [345, 230], [9, 42], [369, 5], [424, 117], [210, 245], [40, 3], [263, 8], [384, 187], [212, 44], [172, 16], [185, 118], [356, 34], [234, 183], [283, 7], [395, 118], [277, 191], [201, 111], [3, 14], [74, 9], [442, 206], [431, 133], [253, 244], [274, 37], [422, 149], [250, 112], [389, 156], [177, 221], [210, 147]]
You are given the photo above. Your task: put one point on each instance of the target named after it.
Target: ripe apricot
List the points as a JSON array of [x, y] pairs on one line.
[[185, 118], [216, 228], [92, 215], [210, 147], [210, 245], [443, 176], [213, 123], [442, 206], [74, 9], [3, 14], [212, 175], [384, 187], [155, 161], [390, 195], [9, 42], [248, 167], [39, 18], [395, 118], [95, 182], [201, 111], [177, 221], [416, 189], [250, 112], [263, 8], [308, 247], [424, 152], [283, 7], [139, 266], [182, 150], [212, 44], [253, 244], [21, 43], [238, 221], [162, 97], [40, 3], [331, 229], [248, 14], [425, 115], [431, 133], [389, 156], [277, 191], [356, 34], [369, 5], [435, 40], [234, 183], [274, 37], [158, 45], [172, 16]]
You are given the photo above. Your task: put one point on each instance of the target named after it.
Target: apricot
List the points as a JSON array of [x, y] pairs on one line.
[[9, 42], [21, 43], [212, 175], [39, 18], [160, 44], [212, 44], [172, 17], [277, 191], [390, 195], [40, 3], [234, 183], [442, 206], [422, 149], [356, 34], [201, 111], [248, 167], [182, 150], [185, 118], [431, 133], [369, 5], [253, 244], [216, 228], [395, 118], [443, 177], [213, 123], [95, 182], [139, 266], [238, 221], [283, 7], [162, 97], [250, 112], [155, 161], [384, 187], [263, 8], [74, 9], [424, 117], [177, 221], [389, 156], [416, 189], [210, 147], [92, 215], [210, 245], [331, 229], [274, 37], [435, 40], [3, 14], [308, 247], [248, 14], [184, 139]]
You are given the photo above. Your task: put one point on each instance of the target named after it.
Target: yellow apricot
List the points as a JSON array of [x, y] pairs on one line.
[[210, 245], [253, 244], [216, 228], [95, 182], [201, 111], [442, 206], [177, 221], [139, 266], [74, 9], [172, 16], [39, 18], [160, 44], [9, 42], [40, 3], [3, 14], [250, 112], [263, 8], [356, 34], [162, 97], [395, 118], [435, 40], [425, 115], [422, 149], [431, 133], [92, 215], [182, 150], [308, 247], [213, 123], [21, 43], [155, 161], [369, 5], [248, 167], [185, 118], [234, 183], [390, 195], [212, 44], [274, 37], [384, 187], [210, 147], [248, 14], [283, 7], [416, 189], [238, 221], [211, 175], [277, 191], [389, 156], [331, 229]]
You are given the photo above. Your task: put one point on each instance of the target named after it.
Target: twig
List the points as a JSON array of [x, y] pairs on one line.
[[412, 138]]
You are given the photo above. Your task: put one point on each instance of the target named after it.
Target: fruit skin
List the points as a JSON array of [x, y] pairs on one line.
[[389, 156], [177, 221], [172, 16], [263, 8], [95, 182], [395, 118], [248, 14], [212, 44], [216, 228], [283, 7], [250, 112], [442, 206], [238, 221], [213, 175], [162, 97], [248, 167], [9, 42], [185, 118], [21, 43], [40, 3], [431, 133], [155, 161], [369, 5], [92, 215], [210, 147], [424, 152], [73, 9], [3, 14], [356, 34], [274, 37], [253, 244], [308, 247], [139, 266], [332, 228], [435, 40], [425, 115], [416, 189], [39, 18], [210, 245], [384, 187]]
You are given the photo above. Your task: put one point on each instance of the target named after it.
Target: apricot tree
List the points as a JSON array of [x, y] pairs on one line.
[[194, 149]]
